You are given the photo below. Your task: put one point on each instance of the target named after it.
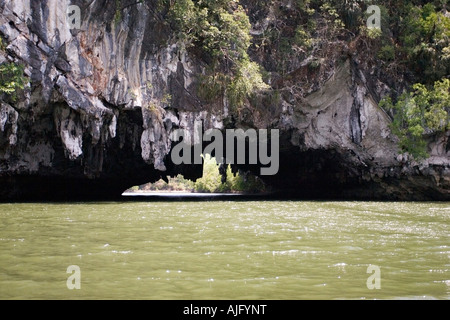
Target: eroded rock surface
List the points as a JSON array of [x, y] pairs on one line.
[[104, 100]]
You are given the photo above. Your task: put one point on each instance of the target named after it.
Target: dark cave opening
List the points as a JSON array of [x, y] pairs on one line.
[[302, 175]]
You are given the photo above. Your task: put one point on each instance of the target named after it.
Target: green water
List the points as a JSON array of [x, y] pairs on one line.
[[225, 250]]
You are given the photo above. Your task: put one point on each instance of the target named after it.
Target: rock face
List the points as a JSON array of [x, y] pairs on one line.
[[104, 99]]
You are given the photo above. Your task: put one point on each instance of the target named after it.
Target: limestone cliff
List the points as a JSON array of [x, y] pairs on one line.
[[103, 100]]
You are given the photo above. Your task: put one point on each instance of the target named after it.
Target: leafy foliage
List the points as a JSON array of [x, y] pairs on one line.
[[426, 42], [212, 180], [178, 183], [423, 111], [11, 79], [221, 29]]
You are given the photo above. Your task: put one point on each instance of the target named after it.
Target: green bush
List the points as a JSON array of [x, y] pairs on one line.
[[220, 27], [423, 111], [11, 79], [425, 34], [178, 183], [245, 183], [387, 53], [221, 30], [211, 182]]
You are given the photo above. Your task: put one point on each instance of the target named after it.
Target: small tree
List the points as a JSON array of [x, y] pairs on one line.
[[423, 111], [11, 79], [211, 179], [426, 42], [221, 30]]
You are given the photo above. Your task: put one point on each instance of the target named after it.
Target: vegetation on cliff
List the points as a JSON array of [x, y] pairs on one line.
[[212, 181], [295, 45], [219, 32], [12, 78], [412, 50], [422, 49], [420, 113]]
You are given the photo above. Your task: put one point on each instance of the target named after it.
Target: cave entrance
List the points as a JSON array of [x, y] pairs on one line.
[[216, 179]]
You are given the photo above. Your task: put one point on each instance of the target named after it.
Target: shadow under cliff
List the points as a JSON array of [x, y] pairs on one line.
[[320, 175]]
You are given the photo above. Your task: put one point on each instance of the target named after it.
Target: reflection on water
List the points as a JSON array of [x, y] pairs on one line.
[[225, 250]]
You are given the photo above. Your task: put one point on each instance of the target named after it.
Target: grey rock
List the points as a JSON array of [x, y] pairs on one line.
[[96, 119]]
